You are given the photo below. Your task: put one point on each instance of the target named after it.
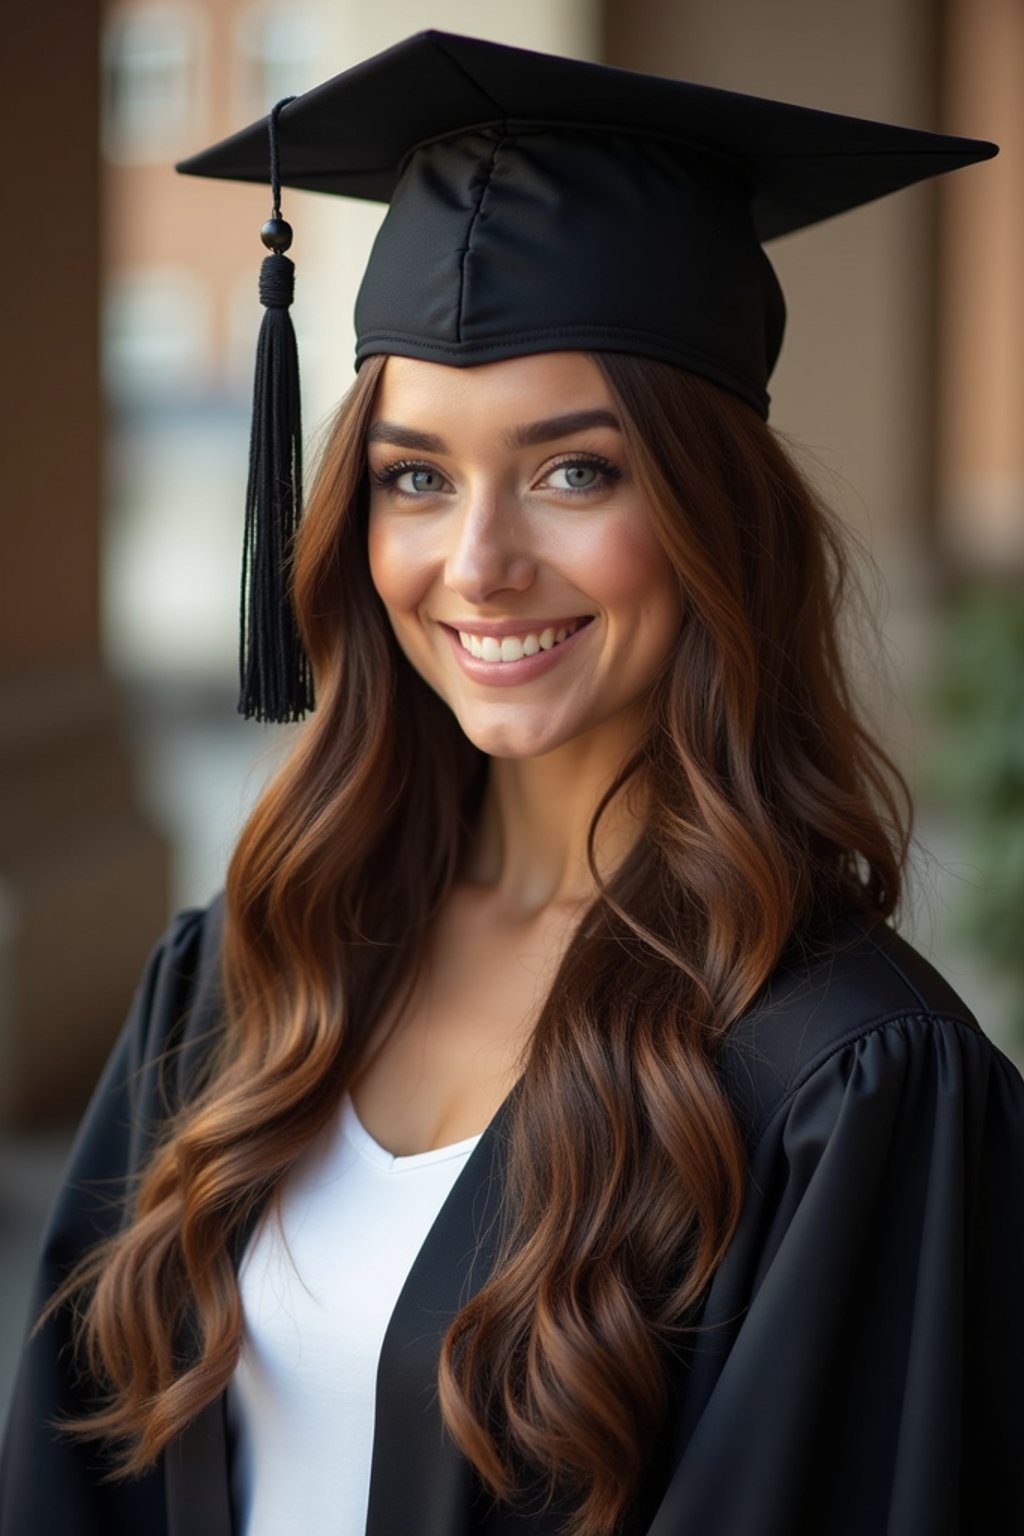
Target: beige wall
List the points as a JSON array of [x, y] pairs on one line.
[[981, 438]]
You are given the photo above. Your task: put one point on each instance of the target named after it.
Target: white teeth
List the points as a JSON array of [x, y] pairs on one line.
[[514, 647]]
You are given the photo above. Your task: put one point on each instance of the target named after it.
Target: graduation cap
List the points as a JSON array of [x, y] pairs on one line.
[[537, 204]]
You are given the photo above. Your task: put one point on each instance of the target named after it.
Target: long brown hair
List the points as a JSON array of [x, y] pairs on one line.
[[770, 811]]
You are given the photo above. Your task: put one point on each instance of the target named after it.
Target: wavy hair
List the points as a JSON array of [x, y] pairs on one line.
[[770, 811]]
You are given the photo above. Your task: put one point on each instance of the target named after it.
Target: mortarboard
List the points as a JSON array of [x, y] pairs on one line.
[[537, 204]]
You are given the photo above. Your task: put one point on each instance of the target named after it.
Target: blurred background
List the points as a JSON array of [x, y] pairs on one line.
[[130, 321]]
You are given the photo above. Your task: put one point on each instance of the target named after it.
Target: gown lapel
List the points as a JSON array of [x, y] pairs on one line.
[[419, 1481], [196, 1476]]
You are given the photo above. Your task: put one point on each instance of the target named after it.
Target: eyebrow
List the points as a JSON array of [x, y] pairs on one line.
[[405, 437], [526, 436]]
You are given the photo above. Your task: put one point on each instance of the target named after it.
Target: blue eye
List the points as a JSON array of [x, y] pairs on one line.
[[583, 474], [579, 477], [420, 479]]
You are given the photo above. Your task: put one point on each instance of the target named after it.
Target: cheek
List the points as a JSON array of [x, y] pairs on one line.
[[396, 568], [629, 573]]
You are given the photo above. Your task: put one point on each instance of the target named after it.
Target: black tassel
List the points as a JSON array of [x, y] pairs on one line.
[[276, 679]]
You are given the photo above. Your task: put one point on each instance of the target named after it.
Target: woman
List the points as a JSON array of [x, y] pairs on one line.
[[548, 1132]]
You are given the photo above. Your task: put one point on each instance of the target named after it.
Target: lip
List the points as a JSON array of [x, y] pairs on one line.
[[500, 627], [506, 674]]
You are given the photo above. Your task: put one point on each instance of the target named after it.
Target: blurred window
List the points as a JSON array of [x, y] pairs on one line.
[[244, 315], [279, 54], [152, 59], [157, 339]]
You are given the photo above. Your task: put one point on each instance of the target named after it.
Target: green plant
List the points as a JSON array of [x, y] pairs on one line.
[[979, 770]]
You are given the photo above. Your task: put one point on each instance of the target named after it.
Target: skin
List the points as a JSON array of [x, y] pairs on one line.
[[502, 520]]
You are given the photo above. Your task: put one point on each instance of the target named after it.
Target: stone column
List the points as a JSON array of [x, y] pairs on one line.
[[82, 875]]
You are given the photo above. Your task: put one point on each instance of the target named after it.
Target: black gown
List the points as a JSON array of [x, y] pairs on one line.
[[861, 1366]]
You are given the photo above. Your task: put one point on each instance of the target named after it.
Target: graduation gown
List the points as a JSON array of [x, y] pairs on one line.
[[860, 1368]]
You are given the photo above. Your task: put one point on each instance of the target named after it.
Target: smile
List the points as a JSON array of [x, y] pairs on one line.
[[508, 660], [515, 647]]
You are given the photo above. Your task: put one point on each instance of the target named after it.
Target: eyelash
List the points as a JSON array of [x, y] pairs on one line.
[[390, 473]]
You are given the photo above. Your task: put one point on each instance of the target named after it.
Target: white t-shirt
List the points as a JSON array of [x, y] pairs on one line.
[[317, 1305]]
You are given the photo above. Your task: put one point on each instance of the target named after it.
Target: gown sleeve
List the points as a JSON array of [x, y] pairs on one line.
[[860, 1370], [48, 1481]]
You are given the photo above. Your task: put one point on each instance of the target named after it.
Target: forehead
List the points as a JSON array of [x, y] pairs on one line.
[[513, 390]]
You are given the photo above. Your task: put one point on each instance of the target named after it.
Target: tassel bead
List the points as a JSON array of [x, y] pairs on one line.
[[276, 235]]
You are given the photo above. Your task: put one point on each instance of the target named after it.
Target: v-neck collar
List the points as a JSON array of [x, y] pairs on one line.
[[356, 1134], [419, 1480]]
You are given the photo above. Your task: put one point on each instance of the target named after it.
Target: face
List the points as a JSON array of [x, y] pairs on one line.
[[513, 552]]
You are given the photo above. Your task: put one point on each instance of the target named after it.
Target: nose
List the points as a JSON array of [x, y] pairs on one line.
[[489, 552]]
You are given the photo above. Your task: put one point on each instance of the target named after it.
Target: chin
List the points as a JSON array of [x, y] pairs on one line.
[[508, 739]]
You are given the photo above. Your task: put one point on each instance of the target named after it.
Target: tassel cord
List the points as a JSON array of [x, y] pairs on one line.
[[276, 678]]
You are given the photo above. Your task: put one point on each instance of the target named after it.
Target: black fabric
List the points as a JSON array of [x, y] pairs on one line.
[[542, 203], [860, 1365], [478, 220]]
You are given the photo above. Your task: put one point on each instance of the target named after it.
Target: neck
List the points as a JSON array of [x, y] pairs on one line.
[[530, 844]]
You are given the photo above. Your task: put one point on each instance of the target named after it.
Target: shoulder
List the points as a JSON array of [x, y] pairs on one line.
[[176, 1014], [178, 995], [864, 990], [174, 1020], [47, 1481]]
